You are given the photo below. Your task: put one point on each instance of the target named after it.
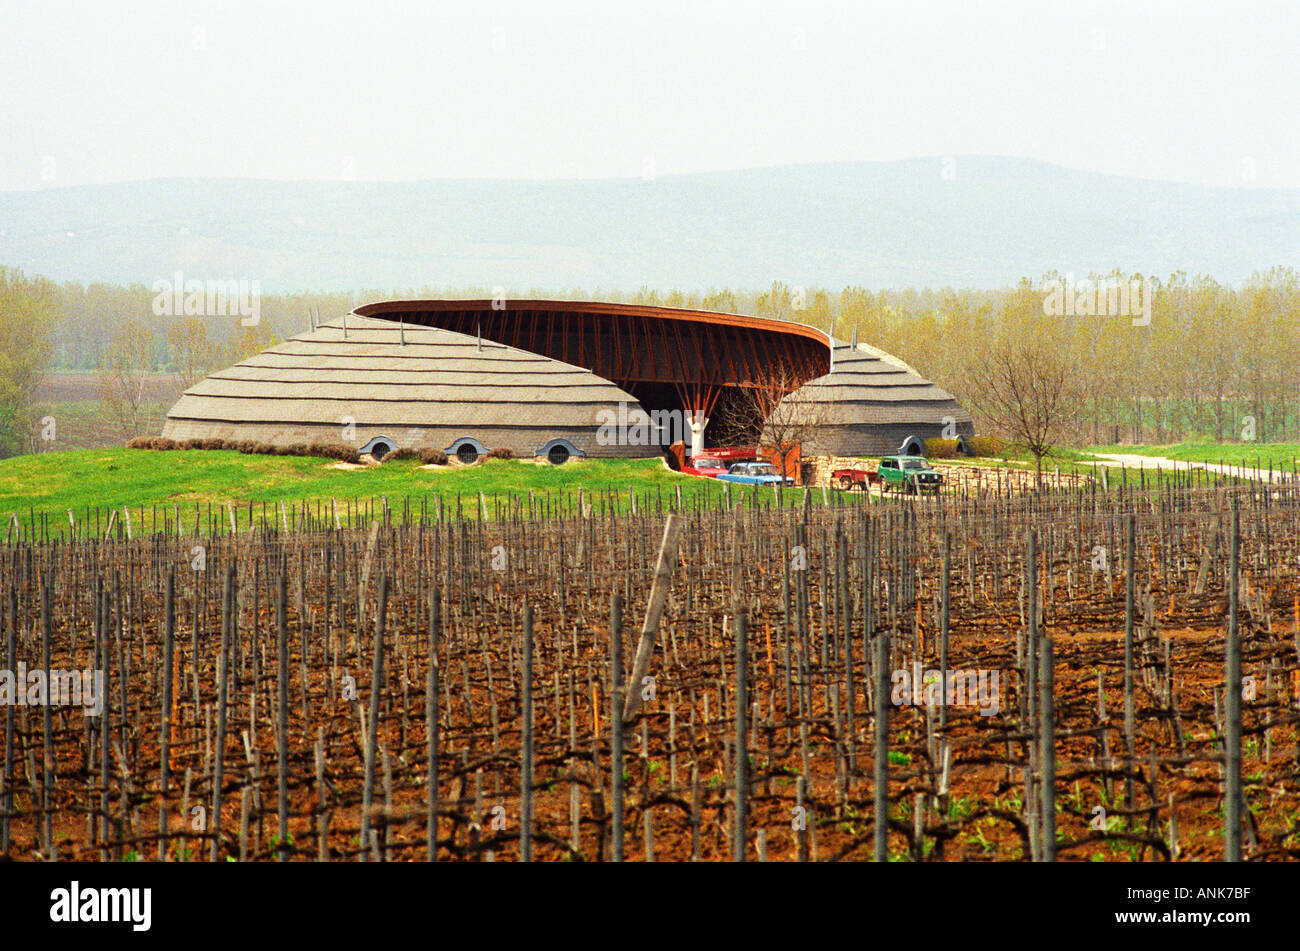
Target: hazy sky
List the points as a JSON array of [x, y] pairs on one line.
[[98, 91]]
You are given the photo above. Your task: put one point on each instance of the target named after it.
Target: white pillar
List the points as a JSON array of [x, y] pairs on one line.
[[698, 422]]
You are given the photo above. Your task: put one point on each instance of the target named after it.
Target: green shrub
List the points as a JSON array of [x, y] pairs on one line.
[[937, 448], [985, 446]]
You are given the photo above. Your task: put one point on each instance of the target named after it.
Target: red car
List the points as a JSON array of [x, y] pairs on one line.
[[704, 466]]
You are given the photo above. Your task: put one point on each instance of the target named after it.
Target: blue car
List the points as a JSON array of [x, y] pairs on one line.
[[755, 473]]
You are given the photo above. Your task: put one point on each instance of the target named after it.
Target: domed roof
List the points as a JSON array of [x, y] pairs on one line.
[[867, 385], [382, 375]]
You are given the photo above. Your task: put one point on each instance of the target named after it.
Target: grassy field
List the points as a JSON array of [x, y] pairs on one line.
[[1015, 457], [111, 478], [104, 479]]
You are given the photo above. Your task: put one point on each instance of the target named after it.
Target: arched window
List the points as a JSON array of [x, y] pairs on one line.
[[911, 447], [467, 450], [378, 447], [559, 451]]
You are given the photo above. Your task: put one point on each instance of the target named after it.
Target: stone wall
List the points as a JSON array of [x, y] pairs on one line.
[[823, 466], [975, 478]]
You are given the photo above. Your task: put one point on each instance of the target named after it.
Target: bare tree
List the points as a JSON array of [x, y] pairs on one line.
[[124, 376], [771, 414], [1028, 392], [194, 354]]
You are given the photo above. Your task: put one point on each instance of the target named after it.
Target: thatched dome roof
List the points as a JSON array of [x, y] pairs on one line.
[[415, 386], [872, 402], [868, 385]]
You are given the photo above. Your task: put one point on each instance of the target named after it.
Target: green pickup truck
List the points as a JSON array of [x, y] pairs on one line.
[[910, 474]]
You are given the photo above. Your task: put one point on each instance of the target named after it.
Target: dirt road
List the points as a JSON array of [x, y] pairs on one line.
[[1132, 461]]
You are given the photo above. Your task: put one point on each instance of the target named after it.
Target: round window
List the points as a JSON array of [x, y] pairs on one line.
[[467, 454], [558, 455], [380, 449]]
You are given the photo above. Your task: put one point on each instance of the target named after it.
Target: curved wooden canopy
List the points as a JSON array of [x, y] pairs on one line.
[[698, 352]]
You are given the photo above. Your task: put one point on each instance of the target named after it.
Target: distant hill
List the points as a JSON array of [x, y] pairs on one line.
[[878, 224]]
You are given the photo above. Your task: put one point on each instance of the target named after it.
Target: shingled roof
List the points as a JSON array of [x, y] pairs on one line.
[[386, 376], [867, 386]]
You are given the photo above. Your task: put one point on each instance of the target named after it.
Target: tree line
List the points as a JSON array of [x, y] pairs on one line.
[[1215, 362]]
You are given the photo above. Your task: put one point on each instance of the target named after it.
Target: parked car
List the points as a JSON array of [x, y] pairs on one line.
[[910, 474], [704, 466], [755, 473]]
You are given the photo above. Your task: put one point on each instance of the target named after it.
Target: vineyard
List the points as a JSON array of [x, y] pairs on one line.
[[1091, 673]]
